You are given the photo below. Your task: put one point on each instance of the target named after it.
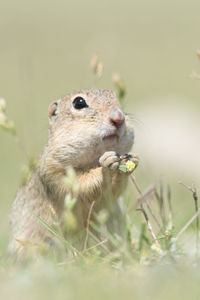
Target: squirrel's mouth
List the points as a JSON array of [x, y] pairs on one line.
[[112, 133], [110, 137]]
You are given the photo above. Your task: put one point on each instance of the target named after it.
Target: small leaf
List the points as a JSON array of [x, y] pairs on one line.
[[123, 168]]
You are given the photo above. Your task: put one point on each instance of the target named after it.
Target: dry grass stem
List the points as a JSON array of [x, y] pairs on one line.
[[150, 228], [154, 216], [88, 225], [98, 241], [160, 200], [136, 185], [97, 245], [170, 220], [187, 225], [195, 197], [145, 196]]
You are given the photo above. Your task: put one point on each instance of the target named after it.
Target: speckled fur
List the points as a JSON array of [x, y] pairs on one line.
[[75, 139]]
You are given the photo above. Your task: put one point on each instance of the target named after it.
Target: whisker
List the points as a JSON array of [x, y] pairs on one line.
[[134, 119]]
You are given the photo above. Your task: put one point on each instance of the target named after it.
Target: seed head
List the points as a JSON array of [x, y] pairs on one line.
[[96, 66], [2, 104], [2, 118]]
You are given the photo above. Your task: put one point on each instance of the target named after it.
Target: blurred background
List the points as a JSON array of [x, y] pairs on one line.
[[45, 52]]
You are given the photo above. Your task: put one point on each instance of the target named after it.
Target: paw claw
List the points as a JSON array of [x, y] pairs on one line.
[[110, 160]]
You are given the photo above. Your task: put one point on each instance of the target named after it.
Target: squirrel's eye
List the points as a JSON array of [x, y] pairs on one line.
[[79, 103]]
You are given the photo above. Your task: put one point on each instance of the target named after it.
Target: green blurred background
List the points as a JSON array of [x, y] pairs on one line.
[[45, 52]]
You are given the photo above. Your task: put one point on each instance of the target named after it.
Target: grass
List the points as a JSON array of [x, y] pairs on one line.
[[135, 267], [139, 260]]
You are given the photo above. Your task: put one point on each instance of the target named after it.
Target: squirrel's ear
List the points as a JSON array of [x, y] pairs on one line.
[[53, 109]]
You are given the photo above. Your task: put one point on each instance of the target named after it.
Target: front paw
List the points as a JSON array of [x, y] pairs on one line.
[[110, 160]]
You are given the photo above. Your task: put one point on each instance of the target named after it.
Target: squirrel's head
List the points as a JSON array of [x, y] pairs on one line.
[[84, 125]]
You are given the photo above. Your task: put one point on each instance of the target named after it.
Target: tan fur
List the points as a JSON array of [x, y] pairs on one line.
[[75, 140]]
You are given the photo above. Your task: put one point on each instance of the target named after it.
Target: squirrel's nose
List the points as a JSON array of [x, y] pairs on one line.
[[117, 117]]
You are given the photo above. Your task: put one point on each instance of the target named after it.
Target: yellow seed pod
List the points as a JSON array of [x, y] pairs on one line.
[[130, 166]]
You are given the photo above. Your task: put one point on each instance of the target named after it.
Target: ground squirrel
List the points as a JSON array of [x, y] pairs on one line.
[[87, 131]]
